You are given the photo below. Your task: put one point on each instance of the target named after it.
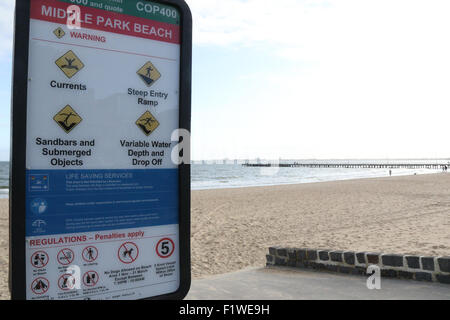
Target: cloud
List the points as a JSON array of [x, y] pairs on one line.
[[251, 22], [367, 78], [6, 28], [308, 30]]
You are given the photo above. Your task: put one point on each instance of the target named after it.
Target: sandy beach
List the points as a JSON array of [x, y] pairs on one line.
[[4, 247], [232, 228]]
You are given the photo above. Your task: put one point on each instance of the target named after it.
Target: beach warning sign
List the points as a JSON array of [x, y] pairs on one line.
[[65, 256], [67, 118], [39, 259], [59, 32], [128, 252], [40, 286], [69, 64], [148, 73], [147, 123], [90, 278], [101, 102], [67, 282], [90, 254]]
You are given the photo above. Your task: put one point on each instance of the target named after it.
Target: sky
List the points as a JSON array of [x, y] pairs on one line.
[[308, 79]]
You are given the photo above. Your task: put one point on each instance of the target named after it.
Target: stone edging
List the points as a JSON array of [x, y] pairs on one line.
[[421, 268]]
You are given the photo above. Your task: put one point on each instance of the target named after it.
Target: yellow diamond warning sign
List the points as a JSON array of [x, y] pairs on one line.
[[59, 32], [67, 118], [148, 73], [147, 122], [70, 64]]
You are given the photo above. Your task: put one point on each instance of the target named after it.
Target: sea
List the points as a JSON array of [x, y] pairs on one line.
[[214, 175], [232, 174], [4, 179]]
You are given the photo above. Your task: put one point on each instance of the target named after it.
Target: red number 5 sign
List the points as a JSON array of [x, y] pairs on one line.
[[165, 248]]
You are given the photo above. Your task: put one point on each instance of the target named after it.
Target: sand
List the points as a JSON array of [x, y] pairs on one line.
[[4, 247], [232, 228]]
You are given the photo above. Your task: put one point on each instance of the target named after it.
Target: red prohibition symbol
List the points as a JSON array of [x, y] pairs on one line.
[[65, 256], [39, 259], [128, 252], [165, 248], [66, 282], [89, 254], [90, 278], [40, 285]]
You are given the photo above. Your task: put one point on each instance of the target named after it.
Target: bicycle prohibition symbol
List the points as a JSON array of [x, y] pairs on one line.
[[65, 256]]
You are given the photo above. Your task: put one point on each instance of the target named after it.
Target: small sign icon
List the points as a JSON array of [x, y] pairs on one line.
[[39, 226], [39, 259], [38, 206], [147, 122], [128, 252], [90, 278], [70, 64], [40, 285], [148, 73], [65, 256], [59, 32], [67, 118], [90, 254], [38, 182], [66, 282], [165, 248]]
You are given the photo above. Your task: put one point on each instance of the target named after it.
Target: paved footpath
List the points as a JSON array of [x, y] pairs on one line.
[[288, 284]]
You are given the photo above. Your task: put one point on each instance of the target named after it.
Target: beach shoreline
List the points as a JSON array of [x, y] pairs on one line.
[[233, 227], [311, 182]]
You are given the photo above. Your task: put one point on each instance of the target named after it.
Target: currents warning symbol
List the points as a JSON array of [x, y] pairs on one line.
[[148, 73], [67, 118], [70, 64], [59, 32], [147, 122]]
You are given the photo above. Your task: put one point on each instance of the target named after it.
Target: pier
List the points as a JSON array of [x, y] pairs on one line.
[[435, 166]]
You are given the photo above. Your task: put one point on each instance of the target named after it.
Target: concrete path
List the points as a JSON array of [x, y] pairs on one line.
[[291, 284]]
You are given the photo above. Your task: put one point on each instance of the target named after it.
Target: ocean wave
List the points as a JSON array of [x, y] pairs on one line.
[[4, 193], [236, 176]]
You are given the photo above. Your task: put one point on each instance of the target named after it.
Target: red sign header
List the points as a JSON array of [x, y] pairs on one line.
[[96, 19]]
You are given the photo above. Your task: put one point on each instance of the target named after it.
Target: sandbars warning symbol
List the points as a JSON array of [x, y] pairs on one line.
[[70, 64], [147, 122], [148, 73], [59, 32], [67, 118]]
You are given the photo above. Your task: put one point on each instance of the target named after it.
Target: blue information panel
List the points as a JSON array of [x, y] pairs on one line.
[[102, 198], [68, 201]]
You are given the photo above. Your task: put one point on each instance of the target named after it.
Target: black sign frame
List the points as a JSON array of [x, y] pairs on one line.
[[17, 180]]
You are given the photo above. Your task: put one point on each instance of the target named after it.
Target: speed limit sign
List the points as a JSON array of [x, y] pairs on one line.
[[165, 248]]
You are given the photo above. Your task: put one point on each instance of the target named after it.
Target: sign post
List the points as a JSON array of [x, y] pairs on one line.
[[99, 207]]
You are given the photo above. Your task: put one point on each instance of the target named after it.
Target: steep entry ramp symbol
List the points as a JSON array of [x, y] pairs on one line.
[[148, 73]]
